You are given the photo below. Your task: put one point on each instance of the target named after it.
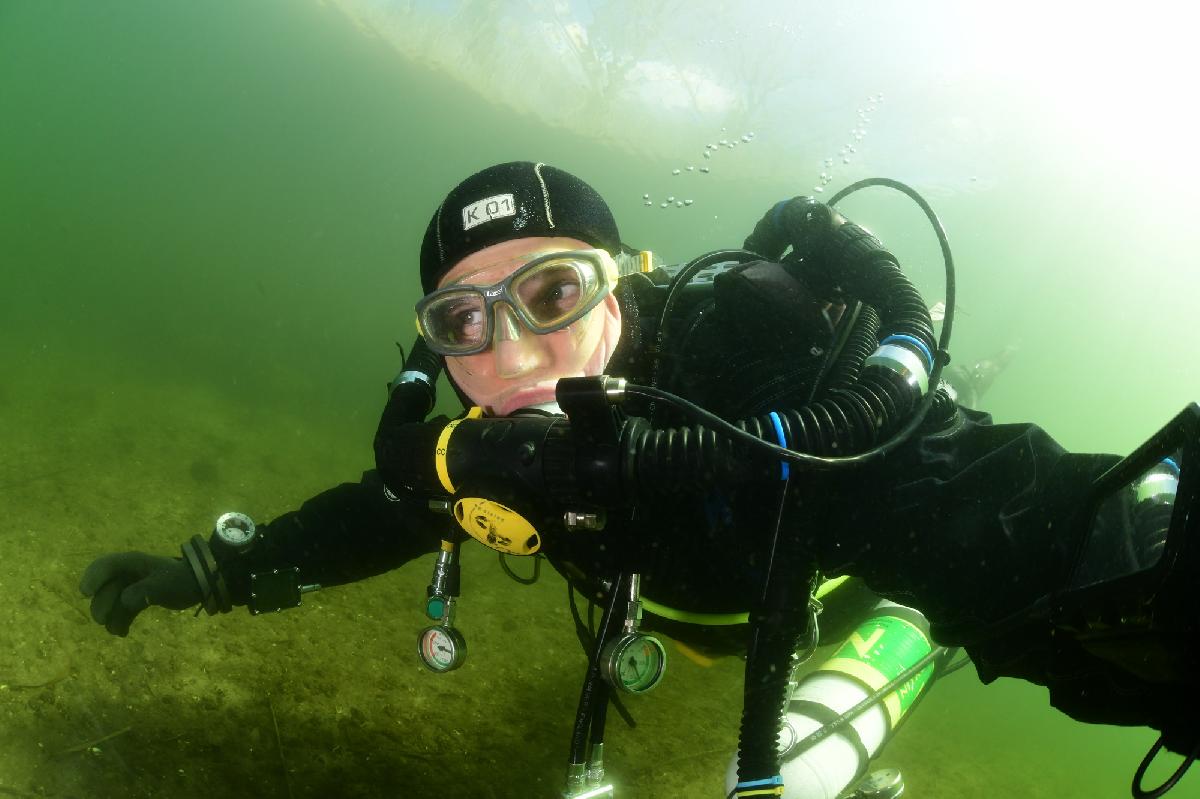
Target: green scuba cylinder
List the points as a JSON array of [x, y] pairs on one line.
[[883, 646]]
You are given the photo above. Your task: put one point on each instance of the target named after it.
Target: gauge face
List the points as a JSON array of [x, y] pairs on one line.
[[640, 662], [442, 648], [235, 529]]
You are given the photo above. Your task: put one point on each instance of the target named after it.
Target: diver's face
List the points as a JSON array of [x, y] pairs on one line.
[[522, 367]]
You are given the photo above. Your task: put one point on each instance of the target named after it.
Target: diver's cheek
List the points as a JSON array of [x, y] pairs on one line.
[[470, 373]]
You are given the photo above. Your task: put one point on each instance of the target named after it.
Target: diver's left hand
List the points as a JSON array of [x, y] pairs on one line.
[[123, 584]]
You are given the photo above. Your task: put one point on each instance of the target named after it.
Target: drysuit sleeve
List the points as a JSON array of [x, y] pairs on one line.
[[972, 525], [973, 521], [348, 533]]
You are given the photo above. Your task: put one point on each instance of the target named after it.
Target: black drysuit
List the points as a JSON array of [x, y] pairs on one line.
[[968, 522]]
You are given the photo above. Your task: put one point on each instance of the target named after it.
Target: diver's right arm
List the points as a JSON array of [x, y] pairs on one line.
[[347, 533]]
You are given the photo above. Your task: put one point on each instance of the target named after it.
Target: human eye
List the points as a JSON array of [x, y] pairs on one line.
[[467, 323], [461, 321], [552, 293]]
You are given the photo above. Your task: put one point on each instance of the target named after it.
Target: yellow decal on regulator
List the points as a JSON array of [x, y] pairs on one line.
[[497, 526]]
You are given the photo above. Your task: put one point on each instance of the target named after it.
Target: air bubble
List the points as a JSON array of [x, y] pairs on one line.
[[674, 171]]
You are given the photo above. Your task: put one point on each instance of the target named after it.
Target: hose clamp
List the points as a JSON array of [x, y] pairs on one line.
[[903, 362], [409, 376]]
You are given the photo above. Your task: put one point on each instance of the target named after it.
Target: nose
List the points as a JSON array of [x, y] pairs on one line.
[[516, 349]]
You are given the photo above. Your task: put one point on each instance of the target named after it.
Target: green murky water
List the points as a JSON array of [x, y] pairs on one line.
[[209, 222]]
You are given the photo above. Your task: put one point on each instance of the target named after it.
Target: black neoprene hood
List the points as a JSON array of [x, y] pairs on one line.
[[513, 201]]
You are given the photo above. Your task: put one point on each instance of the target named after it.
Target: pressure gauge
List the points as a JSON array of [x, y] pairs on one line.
[[442, 648], [634, 662], [235, 532]]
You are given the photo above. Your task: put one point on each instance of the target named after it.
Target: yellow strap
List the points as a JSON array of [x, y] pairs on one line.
[[443, 445], [829, 585], [725, 619]]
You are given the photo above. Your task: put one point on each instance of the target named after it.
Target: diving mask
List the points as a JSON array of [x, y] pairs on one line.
[[547, 293]]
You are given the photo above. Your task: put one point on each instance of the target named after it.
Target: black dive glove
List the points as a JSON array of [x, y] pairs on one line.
[[801, 223], [124, 584]]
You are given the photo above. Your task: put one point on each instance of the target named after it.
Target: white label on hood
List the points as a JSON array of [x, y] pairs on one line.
[[487, 209]]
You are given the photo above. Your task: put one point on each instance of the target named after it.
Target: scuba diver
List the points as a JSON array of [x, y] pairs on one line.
[[709, 443]]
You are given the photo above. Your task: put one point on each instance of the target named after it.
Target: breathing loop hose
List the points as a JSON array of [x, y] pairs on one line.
[[874, 400]]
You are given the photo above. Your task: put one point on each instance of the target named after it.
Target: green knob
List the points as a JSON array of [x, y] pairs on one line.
[[435, 606]]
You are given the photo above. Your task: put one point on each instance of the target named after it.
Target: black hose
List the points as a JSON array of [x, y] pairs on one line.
[[844, 421], [773, 644], [422, 359], [943, 243], [594, 688], [858, 410], [850, 419], [879, 282], [587, 639], [531, 579], [823, 732], [777, 625], [411, 396], [1141, 793], [848, 356]]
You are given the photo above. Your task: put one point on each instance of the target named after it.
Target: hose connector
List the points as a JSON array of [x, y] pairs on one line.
[[898, 354]]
